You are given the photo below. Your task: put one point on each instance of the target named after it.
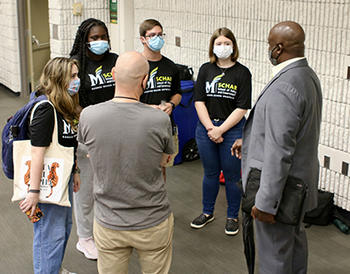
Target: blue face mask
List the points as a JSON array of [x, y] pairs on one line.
[[156, 43], [98, 47], [74, 87]]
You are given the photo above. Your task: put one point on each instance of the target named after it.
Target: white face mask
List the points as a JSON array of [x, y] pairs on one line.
[[223, 51]]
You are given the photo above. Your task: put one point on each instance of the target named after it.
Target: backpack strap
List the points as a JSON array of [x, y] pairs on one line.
[[55, 129]]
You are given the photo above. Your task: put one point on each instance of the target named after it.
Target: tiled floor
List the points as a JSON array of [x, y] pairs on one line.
[[205, 251]]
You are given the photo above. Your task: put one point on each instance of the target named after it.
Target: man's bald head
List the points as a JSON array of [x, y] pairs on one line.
[[289, 38], [130, 70]]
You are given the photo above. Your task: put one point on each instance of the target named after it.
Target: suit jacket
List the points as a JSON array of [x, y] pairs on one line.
[[281, 135]]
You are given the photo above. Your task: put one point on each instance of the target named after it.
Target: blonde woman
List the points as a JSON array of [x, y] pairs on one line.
[[60, 83]]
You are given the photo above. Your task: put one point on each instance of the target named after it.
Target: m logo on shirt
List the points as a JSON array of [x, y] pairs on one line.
[[99, 79], [211, 87], [67, 128], [218, 89], [158, 83], [151, 83]]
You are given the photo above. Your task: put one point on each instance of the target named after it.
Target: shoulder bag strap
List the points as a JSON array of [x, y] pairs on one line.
[[55, 129]]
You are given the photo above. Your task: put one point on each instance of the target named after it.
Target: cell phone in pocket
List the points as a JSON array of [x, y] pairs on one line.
[[37, 215]]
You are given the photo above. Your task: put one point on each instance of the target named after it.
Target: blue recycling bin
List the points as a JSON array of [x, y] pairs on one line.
[[185, 117]]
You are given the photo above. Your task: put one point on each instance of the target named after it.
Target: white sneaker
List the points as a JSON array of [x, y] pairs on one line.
[[65, 271], [87, 246]]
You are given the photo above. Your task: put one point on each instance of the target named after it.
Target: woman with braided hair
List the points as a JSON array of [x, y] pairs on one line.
[[91, 49]]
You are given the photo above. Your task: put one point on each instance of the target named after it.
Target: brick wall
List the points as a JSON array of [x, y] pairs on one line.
[[64, 25], [9, 47], [327, 27]]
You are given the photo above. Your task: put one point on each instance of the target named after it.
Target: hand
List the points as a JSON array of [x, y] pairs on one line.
[[166, 107], [165, 159], [78, 109], [214, 134], [155, 106], [220, 140], [236, 149], [263, 216], [29, 203], [76, 182]]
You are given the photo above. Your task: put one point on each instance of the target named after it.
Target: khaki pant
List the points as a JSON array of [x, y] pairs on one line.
[[176, 150], [153, 245], [83, 199]]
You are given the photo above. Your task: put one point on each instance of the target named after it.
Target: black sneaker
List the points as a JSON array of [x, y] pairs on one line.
[[231, 227], [201, 221]]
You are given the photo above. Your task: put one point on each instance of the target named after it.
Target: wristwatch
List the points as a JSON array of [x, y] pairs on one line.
[[172, 104]]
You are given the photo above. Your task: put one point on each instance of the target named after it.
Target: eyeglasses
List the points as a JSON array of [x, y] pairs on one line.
[[151, 35]]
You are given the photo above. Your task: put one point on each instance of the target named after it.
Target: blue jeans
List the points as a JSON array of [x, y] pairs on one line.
[[51, 235], [217, 157]]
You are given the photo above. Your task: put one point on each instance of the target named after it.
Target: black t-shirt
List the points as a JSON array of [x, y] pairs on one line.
[[223, 90], [42, 125], [163, 82], [99, 85]]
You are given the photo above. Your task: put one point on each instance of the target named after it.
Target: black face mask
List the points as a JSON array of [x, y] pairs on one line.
[[274, 60]]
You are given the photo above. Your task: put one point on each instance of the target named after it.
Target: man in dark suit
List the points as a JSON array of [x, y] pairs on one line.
[[280, 138]]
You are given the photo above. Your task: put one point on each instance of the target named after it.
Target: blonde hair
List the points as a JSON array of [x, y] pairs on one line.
[[228, 34], [54, 83]]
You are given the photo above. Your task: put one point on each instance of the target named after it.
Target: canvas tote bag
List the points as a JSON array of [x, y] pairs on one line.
[[57, 169]]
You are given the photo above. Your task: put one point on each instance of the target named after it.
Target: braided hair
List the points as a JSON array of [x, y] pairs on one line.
[[79, 52]]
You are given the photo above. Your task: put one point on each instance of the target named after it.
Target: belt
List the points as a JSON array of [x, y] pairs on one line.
[[217, 120]]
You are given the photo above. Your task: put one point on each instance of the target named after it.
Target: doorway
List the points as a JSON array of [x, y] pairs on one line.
[[122, 33], [37, 40]]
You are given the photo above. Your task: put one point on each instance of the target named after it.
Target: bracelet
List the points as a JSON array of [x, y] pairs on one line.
[[172, 104], [76, 170], [34, 190]]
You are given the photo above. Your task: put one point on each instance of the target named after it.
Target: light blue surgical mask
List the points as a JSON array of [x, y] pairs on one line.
[[99, 47], [74, 87], [156, 43]]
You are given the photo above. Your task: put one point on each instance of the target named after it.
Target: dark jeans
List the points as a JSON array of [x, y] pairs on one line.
[[217, 157]]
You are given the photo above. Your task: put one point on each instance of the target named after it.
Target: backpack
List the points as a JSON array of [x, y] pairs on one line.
[[190, 151], [16, 129], [185, 72], [323, 213], [342, 220]]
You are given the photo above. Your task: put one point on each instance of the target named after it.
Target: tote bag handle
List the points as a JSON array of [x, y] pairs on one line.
[[55, 130]]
